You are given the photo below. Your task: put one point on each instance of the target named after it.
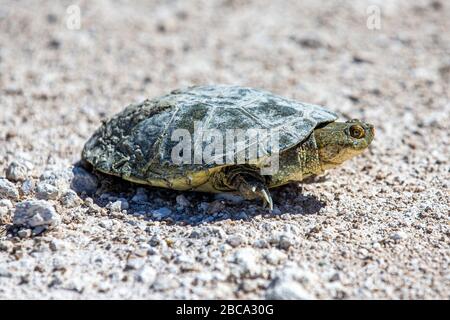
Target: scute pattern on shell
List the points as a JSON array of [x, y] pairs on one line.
[[137, 141]]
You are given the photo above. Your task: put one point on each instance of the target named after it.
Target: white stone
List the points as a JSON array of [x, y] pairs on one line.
[[17, 171], [57, 245], [6, 245], [124, 205], [164, 283], [283, 240], [6, 203], [183, 258], [106, 224], [35, 213], [217, 231], [3, 213], [58, 177], [398, 236], [27, 187], [118, 205], [286, 289], [24, 233], [235, 240], [260, 243], [275, 256], [115, 206], [46, 191], [8, 190], [4, 273], [246, 259], [146, 274], [70, 199], [134, 263]]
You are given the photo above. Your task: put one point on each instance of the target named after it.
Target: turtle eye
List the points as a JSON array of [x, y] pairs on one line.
[[357, 132]]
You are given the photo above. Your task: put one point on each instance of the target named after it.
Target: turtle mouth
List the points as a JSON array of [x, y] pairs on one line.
[[371, 134], [372, 130]]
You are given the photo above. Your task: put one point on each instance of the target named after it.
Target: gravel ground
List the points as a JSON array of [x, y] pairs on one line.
[[377, 227]]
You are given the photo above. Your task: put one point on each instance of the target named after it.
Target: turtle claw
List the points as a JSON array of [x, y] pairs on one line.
[[250, 185], [258, 190], [267, 199]]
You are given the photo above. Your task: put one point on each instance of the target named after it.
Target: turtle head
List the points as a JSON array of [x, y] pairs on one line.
[[340, 141]]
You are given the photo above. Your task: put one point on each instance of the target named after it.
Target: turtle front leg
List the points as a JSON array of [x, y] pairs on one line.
[[251, 188], [247, 181]]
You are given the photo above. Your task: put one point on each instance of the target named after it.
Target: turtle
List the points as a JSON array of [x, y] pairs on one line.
[[162, 142]]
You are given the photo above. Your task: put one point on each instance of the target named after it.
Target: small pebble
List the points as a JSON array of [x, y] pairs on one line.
[[56, 245], [24, 233], [376, 245], [4, 215], [234, 198], [134, 263], [140, 196], [398, 236], [216, 206], [146, 274], [106, 224], [182, 201], [286, 289], [83, 181], [275, 256], [261, 243], [33, 213], [203, 206], [115, 206], [70, 199], [58, 177], [38, 230], [249, 285], [235, 240], [5, 209], [27, 187], [17, 171], [6, 245], [276, 211], [155, 241], [46, 191], [118, 205], [246, 259], [4, 273], [195, 234], [161, 213], [284, 241], [164, 283], [8, 190], [6, 203]]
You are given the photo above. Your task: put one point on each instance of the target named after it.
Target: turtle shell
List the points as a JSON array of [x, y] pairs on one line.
[[137, 144]]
